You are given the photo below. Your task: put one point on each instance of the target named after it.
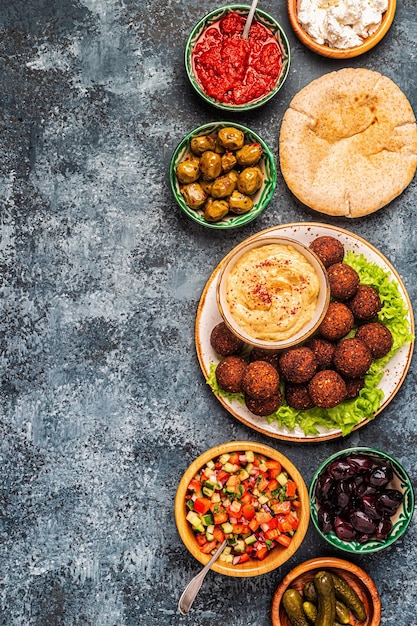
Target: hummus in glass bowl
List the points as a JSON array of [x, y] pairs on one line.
[[272, 292]]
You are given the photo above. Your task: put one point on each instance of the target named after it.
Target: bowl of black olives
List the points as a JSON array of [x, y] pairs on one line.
[[361, 500], [222, 175]]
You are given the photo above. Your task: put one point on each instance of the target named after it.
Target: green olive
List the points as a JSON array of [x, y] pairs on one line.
[[193, 195], [234, 175], [210, 165], [223, 186], [188, 170], [250, 180], [231, 138], [240, 203], [249, 154], [228, 161], [206, 186], [215, 210], [202, 143]]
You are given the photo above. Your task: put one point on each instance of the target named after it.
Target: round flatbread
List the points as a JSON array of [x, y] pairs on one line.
[[348, 143]]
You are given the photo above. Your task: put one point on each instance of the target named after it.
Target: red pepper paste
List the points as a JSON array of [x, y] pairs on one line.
[[234, 70]]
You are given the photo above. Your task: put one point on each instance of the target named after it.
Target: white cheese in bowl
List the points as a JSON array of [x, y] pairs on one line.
[[341, 23]]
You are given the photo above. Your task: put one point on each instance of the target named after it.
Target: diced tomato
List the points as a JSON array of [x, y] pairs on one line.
[[248, 511], [273, 473], [284, 540], [202, 505], [222, 476], [291, 489], [194, 485], [272, 523], [218, 534], [280, 507], [263, 516], [287, 523], [273, 464], [272, 533], [263, 484], [247, 497], [208, 547], [241, 529], [254, 524], [234, 458], [273, 485], [261, 552], [293, 520], [244, 557], [220, 517], [201, 538], [295, 504]]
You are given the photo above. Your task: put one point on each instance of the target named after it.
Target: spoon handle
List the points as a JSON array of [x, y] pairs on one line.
[[249, 19], [193, 587]]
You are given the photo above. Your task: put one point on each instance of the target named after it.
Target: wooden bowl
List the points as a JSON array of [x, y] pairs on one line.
[[356, 577], [337, 53], [279, 554]]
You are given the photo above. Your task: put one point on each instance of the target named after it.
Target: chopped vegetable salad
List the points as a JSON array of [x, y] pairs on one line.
[[247, 499]]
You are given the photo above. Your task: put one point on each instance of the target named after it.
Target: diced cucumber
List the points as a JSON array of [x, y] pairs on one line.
[[282, 478], [263, 466], [249, 468], [250, 457], [227, 528], [263, 499], [215, 497], [210, 464], [208, 492], [239, 546], [224, 458], [250, 540], [209, 536], [229, 467], [193, 518], [207, 519]]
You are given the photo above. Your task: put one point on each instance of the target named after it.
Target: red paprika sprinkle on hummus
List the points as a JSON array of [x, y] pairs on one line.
[[234, 70]]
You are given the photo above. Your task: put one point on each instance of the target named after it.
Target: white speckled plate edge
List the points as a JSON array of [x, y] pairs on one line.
[[208, 316]]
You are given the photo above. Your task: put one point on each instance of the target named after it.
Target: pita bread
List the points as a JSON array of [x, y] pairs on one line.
[[348, 143]]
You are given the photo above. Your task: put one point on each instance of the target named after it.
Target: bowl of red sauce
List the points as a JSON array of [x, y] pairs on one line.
[[233, 73]]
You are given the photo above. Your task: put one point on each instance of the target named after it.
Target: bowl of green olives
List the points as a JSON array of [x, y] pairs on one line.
[[222, 175], [361, 500], [233, 71]]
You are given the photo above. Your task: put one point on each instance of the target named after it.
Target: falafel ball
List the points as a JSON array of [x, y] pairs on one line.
[[223, 341], [329, 250], [337, 322], [352, 358], [266, 406], [353, 387], [259, 354], [298, 365], [343, 280], [377, 337], [366, 303], [230, 372], [260, 380], [327, 389], [323, 349], [298, 397]]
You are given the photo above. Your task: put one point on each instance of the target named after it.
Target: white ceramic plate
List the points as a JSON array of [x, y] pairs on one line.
[[208, 316]]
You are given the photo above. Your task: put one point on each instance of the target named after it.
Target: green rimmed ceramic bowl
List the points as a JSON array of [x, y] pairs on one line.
[[260, 199], [400, 520], [213, 17]]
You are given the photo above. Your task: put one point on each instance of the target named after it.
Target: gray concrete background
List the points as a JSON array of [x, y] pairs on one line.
[[103, 404]]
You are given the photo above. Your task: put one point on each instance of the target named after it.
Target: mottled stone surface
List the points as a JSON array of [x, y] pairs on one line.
[[103, 404]]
